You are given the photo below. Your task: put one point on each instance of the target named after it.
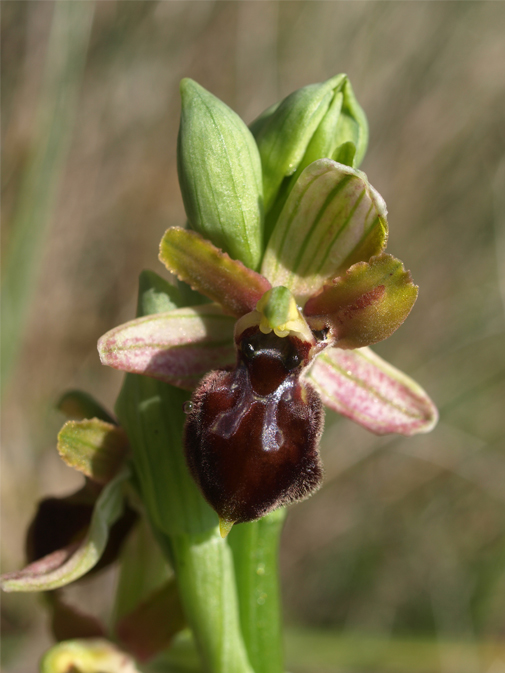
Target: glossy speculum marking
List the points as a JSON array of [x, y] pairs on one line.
[[252, 433]]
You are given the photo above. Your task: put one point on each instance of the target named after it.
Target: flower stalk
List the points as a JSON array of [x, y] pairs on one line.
[[184, 524]]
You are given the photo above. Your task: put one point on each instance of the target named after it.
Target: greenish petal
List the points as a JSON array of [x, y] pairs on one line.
[[211, 271], [366, 305]]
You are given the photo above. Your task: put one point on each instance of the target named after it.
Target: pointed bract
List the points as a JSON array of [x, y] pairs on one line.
[[178, 347], [362, 386], [212, 272], [332, 219]]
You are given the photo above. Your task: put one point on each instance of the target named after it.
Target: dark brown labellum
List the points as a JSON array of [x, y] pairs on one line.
[[252, 434]]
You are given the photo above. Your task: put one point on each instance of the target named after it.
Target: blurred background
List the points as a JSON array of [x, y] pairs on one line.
[[398, 563]]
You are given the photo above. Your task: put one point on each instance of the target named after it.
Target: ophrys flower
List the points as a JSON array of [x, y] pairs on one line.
[[280, 341]]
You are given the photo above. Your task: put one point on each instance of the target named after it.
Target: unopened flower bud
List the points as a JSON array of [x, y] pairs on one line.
[[220, 175], [315, 122]]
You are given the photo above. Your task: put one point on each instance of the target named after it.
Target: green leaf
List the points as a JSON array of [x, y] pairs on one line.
[[368, 390], [93, 447], [142, 569], [332, 219], [212, 272], [87, 656], [366, 305], [205, 575], [152, 414], [220, 175], [69, 564]]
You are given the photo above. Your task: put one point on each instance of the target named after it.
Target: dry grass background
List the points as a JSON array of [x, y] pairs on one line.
[[407, 537]]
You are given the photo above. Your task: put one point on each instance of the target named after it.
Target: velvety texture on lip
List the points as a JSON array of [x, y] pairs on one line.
[[252, 434]]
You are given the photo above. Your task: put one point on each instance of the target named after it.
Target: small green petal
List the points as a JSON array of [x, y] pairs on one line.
[[220, 175], [211, 271], [332, 219], [366, 305], [94, 447], [277, 311]]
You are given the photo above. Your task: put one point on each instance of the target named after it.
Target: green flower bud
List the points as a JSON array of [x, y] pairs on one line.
[[315, 122], [220, 175]]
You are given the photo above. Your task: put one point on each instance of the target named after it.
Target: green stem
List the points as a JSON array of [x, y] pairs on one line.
[[67, 47], [204, 569], [186, 527], [255, 553]]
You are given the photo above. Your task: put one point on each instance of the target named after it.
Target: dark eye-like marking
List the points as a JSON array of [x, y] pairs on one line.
[[292, 360], [320, 335], [248, 348]]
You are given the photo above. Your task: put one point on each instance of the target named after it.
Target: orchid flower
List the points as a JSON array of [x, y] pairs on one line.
[[278, 342]]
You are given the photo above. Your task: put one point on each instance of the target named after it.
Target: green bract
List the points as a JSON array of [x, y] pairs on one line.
[[220, 175]]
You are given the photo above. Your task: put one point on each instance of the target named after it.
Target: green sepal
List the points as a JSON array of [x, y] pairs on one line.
[[332, 219], [220, 175], [352, 124]]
